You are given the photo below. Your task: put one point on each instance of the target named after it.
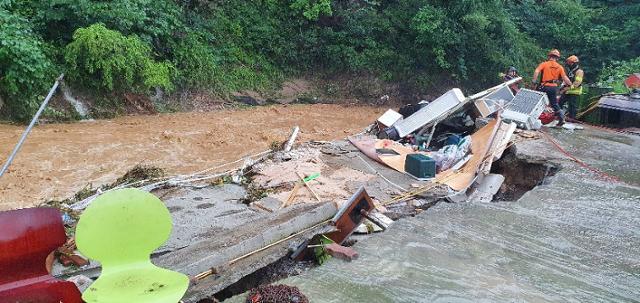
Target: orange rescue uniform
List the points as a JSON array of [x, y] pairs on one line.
[[551, 72]]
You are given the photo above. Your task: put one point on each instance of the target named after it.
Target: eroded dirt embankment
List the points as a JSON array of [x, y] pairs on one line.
[[59, 159]]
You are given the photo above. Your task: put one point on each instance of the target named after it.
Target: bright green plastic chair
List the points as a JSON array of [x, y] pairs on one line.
[[121, 229]]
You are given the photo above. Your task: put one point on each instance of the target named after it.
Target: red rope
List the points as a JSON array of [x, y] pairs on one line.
[[580, 162]]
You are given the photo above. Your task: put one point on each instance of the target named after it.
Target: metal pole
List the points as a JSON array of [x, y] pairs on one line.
[[33, 122], [433, 130]]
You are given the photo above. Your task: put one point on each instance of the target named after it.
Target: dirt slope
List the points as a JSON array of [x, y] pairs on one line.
[[59, 159]]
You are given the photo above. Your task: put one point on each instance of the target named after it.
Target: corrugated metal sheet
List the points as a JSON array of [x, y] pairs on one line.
[[620, 102]]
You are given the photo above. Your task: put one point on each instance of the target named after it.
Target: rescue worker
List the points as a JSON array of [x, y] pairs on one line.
[[512, 73], [550, 73], [570, 94]]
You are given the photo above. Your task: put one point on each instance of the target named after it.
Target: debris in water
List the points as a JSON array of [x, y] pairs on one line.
[[140, 173]]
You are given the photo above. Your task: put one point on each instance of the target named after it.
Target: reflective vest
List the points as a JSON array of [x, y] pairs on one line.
[[572, 76]]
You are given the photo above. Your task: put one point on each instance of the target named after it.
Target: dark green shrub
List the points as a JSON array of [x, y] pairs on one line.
[[25, 71], [107, 60], [197, 63]]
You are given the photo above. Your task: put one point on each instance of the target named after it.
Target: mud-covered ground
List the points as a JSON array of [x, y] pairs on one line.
[[60, 159]]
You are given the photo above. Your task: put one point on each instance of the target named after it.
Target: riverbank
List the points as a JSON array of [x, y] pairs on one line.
[[59, 160]]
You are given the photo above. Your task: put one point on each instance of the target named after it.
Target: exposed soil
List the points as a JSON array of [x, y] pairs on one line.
[[281, 269], [520, 175], [58, 160]]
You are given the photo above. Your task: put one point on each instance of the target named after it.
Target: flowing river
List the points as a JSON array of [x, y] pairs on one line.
[[60, 159]]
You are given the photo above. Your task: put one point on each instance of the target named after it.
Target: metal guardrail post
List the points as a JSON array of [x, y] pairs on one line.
[[33, 122]]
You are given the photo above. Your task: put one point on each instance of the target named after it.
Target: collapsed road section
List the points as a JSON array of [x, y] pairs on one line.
[[306, 202]]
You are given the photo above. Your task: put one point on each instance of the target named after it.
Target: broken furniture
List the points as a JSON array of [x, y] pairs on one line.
[[444, 106], [27, 237], [351, 215], [121, 229]]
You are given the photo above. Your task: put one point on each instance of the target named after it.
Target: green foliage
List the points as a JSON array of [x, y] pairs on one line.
[[433, 29], [105, 59], [599, 32], [25, 70], [153, 21], [616, 73], [231, 45], [197, 62], [312, 9], [234, 46]]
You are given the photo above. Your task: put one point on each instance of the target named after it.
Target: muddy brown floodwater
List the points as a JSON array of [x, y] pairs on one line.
[[58, 160]]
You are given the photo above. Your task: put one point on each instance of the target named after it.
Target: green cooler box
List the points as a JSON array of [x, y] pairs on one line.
[[420, 166]]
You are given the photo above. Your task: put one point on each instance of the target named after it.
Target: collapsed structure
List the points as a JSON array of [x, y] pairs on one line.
[[465, 136], [297, 202]]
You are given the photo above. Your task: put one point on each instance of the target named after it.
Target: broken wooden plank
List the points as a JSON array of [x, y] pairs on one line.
[[292, 139], [309, 187]]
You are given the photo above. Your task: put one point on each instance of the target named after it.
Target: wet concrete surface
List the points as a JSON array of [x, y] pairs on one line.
[[575, 238], [199, 214]]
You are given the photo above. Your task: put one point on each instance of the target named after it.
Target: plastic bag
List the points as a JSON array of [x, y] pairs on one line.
[[449, 155]]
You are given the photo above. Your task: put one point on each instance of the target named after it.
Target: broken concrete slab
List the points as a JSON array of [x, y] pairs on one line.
[[488, 187], [574, 232], [220, 248], [199, 214]]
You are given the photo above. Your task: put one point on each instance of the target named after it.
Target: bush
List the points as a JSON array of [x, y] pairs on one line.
[[25, 71], [107, 60], [196, 62], [615, 74]]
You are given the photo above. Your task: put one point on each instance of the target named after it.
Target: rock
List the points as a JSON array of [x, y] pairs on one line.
[[250, 98], [341, 252]]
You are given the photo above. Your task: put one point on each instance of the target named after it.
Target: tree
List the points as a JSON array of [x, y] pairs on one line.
[[25, 69]]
